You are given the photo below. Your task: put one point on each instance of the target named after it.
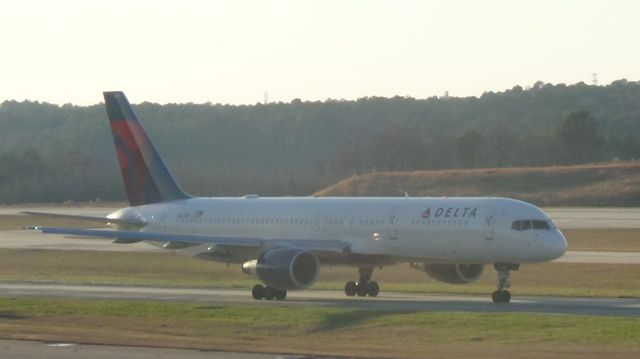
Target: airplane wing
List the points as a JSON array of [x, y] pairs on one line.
[[335, 246]]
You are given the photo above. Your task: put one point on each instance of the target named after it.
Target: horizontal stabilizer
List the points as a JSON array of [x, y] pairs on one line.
[[94, 219]]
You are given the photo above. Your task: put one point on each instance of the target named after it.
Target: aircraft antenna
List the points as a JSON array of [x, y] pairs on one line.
[[594, 80]]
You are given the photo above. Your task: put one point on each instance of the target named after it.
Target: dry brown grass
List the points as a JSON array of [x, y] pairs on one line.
[[609, 184], [609, 239]]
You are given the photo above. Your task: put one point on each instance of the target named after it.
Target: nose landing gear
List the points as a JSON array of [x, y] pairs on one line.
[[502, 295], [364, 286]]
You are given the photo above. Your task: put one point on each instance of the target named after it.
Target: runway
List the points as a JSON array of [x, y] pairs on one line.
[[592, 217], [386, 301], [599, 257]]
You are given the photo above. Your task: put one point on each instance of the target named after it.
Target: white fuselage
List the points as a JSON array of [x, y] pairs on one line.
[[475, 230]]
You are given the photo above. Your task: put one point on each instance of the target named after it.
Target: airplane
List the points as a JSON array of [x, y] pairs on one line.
[[283, 241]]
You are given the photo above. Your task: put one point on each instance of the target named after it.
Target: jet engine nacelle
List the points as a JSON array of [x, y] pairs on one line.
[[285, 268], [453, 273]]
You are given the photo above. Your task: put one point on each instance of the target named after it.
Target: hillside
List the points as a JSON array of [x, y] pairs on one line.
[[610, 184]]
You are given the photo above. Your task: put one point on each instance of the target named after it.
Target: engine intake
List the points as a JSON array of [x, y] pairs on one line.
[[285, 268], [453, 273]]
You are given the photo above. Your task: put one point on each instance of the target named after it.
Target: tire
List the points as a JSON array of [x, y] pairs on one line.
[[269, 293], [373, 289], [361, 289], [350, 289], [281, 294], [257, 292], [496, 297], [506, 296]]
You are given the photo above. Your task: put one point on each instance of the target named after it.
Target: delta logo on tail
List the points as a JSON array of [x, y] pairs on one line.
[[138, 181], [146, 178]]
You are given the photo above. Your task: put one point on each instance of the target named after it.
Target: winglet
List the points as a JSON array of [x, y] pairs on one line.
[[146, 178]]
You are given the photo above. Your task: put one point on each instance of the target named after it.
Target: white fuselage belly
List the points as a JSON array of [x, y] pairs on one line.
[[455, 230]]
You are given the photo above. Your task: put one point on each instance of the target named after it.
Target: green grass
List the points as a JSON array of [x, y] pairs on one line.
[[313, 330]]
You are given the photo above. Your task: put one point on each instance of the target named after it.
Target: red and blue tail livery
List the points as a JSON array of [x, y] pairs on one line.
[[146, 178]]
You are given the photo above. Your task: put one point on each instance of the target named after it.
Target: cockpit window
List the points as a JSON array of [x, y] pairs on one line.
[[524, 224], [537, 224]]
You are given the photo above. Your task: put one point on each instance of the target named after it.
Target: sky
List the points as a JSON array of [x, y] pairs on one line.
[[68, 51]]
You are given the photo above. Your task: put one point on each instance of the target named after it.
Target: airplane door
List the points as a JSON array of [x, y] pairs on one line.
[[489, 225], [392, 228]]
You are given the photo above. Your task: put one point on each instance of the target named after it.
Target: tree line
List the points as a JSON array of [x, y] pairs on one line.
[[57, 153]]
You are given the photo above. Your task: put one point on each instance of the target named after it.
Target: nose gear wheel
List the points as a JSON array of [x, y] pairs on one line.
[[502, 295]]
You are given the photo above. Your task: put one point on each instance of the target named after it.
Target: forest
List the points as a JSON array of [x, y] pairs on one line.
[[51, 153]]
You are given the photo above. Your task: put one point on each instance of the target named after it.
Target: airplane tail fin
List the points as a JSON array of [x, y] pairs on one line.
[[146, 178]]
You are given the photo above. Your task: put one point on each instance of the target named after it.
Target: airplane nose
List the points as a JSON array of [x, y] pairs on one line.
[[555, 245]]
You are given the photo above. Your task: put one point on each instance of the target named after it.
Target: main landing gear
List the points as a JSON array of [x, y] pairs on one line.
[[502, 295], [363, 286], [259, 292]]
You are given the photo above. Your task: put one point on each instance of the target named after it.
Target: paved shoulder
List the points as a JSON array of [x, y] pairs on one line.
[[600, 257], [19, 349]]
